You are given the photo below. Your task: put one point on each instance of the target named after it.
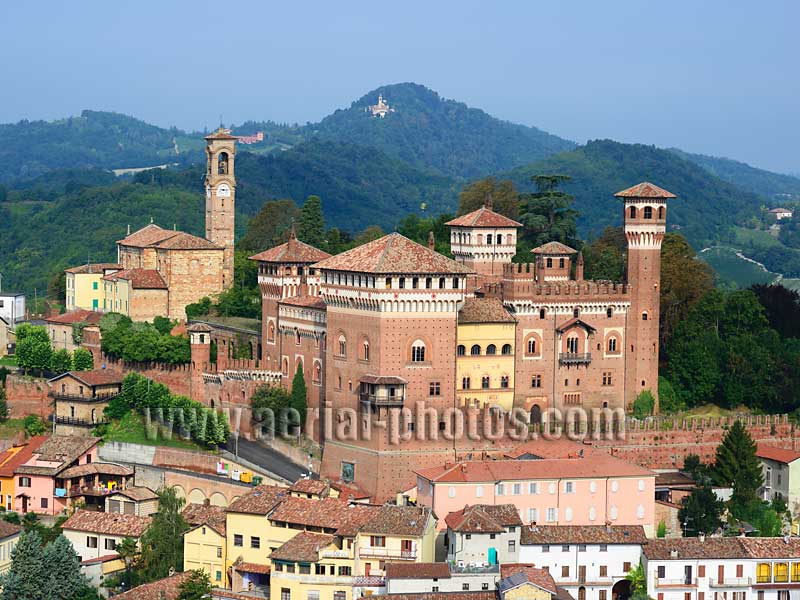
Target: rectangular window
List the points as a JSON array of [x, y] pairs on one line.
[[345, 572], [536, 381], [569, 487], [465, 383], [565, 548], [545, 548], [603, 570], [255, 542], [24, 482], [607, 380], [565, 571], [286, 594], [581, 547], [44, 502], [91, 541], [603, 548], [701, 570], [312, 595], [661, 571], [626, 566], [552, 515], [533, 488], [533, 515], [499, 490], [435, 388], [377, 541], [305, 569], [218, 576], [319, 569], [602, 595], [517, 489], [238, 540], [111, 544], [94, 285]]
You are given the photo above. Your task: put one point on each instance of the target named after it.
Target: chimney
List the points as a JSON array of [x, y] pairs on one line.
[[488, 202], [673, 553], [702, 537], [608, 526], [579, 267], [431, 241]]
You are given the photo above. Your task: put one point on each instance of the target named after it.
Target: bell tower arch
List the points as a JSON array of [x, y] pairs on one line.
[[221, 197]]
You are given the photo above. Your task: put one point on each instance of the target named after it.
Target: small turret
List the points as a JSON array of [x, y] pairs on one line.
[[431, 241], [579, 267]]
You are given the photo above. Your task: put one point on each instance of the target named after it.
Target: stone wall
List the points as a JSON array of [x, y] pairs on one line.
[[28, 396]]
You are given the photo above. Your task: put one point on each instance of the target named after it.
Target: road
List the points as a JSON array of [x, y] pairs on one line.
[[268, 458]]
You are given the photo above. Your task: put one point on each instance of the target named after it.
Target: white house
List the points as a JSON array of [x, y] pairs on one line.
[[737, 568], [12, 307], [421, 578], [781, 470], [483, 534], [781, 213], [590, 562], [97, 534]]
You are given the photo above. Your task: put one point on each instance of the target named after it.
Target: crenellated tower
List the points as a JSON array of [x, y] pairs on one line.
[[645, 219], [221, 197]]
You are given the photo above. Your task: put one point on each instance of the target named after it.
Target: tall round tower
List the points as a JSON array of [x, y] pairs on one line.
[[645, 219]]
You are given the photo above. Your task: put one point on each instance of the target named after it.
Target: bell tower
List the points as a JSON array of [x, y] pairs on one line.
[[221, 197], [645, 219]]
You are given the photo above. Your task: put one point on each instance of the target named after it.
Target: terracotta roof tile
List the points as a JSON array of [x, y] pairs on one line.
[[484, 518], [555, 448], [694, 548], [392, 253], [96, 468], [291, 252], [776, 454], [772, 547], [259, 501], [91, 268], [186, 241], [526, 572], [437, 596], [162, 589], [590, 534], [107, 523], [91, 378], [556, 248], [250, 567], [153, 236], [412, 570], [305, 485], [79, 315], [8, 529], [304, 547], [137, 493], [9, 465], [484, 310], [145, 279], [330, 513], [146, 236], [306, 301], [202, 514], [61, 451], [645, 190], [398, 520], [597, 465], [483, 217]]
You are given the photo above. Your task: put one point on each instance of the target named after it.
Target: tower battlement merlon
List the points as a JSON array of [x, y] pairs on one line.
[[221, 197]]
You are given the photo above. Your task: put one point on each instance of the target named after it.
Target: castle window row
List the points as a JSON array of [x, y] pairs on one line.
[[486, 382], [401, 282], [646, 212], [491, 349], [463, 237]]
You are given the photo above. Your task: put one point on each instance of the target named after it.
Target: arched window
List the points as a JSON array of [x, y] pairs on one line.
[[572, 344], [316, 376], [661, 212], [428, 283], [504, 381], [455, 283], [506, 349], [388, 283], [461, 350], [418, 351], [648, 212], [632, 212], [342, 346], [542, 313], [485, 382], [365, 350], [401, 283], [475, 350], [491, 349], [612, 345], [271, 331], [530, 346], [296, 336], [441, 283], [576, 312], [222, 163], [285, 367], [415, 282], [609, 312], [644, 316]]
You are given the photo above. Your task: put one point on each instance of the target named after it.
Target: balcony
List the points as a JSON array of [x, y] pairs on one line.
[[78, 422], [378, 400], [730, 582], [335, 554], [79, 398], [574, 358], [369, 581], [464, 568], [681, 582], [377, 552]]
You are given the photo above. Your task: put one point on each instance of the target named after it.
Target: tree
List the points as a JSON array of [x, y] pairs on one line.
[[736, 465], [162, 542], [546, 214], [644, 404], [604, 258], [371, 233], [195, 587], [34, 425], [701, 511], [661, 531], [298, 398], [270, 227], [63, 569], [269, 405], [60, 361], [637, 579], [668, 401], [163, 325], [33, 347], [311, 226], [128, 552], [505, 197], [781, 306], [82, 360], [3, 405], [27, 573]]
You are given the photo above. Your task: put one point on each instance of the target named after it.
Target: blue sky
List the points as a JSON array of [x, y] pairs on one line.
[[716, 77]]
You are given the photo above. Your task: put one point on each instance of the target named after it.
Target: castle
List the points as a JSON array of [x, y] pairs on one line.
[[159, 271], [392, 323]]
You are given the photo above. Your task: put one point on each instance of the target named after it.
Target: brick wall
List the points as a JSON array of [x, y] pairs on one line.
[[176, 377], [28, 396]]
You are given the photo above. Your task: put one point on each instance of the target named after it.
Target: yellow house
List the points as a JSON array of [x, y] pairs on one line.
[[524, 582], [9, 535], [84, 285], [485, 353], [204, 545], [9, 461]]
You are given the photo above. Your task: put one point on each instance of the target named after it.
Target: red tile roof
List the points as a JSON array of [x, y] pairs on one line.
[[60, 450], [259, 501], [91, 378], [304, 485], [206, 514], [538, 577], [776, 454], [556, 248], [554, 448], [79, 315], [10, 464], [248, 567], [483, 217], [484, 518], [107, 523], [96, 468], [412, 570], [392, 253], [598, 465], [186, 241], [437, 596], [144, 279], [93, 268], [153, 236], [292, 252], [8, 529], [137, 493], [484, 310], [588, 534], [306, 301], [162, 589], [329, 513], [645, 190], [146, 236], [304, 547], [722, 547], [398, 520]]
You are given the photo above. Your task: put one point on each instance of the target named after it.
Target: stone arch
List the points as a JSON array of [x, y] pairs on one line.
[[532, 344], [196, 496], [179, 491], [218, 499]]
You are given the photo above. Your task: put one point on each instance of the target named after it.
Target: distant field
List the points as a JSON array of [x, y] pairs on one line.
[[756, 237], [733, 270]]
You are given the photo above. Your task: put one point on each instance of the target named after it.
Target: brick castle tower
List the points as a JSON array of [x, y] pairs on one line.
[[645, 221], [221, 197]]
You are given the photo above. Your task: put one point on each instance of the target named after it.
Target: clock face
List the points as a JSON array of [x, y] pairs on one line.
[[223, 190]]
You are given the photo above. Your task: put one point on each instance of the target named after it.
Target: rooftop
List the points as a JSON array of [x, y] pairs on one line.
[[555, 448], [303, 547], [206, 514], [90, 268], [437, 596], [58, 450], [777, 454], [329, 513], [722, 547], [556, 248], [392, 253], [484, 310], [8, 529], [590, 534], [107, 523], [412, 570], [645, 190], [10, 461], [137, 493], [161, 589], [599, 465], [79, 315], [305, 485], [153, 236], [96, 468], [91, 378], [484, 518], [512, 575], [292, 252], [483, 217], [143, 279], [259, 501], [398, 520]]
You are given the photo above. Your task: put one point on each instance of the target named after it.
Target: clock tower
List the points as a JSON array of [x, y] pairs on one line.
[[221, 197]]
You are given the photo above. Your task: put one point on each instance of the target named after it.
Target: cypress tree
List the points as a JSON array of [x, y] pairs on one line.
[[736, 465], [298, 398], [311, 228]]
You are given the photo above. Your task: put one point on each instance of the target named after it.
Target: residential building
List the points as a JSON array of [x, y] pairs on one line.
[[527, 581], [9, 535], [592, 490], [12, 308], [89, 484], [80, 397], [483, 534], [7, 338], [132, 500], [439, 577], [781, 470], [96, 534], [781, 213], [84, 285], [39, 486], [204, 544], [316, 489], [168, 588], [10, 459], [590, 562], [65, 330], [737, 568]]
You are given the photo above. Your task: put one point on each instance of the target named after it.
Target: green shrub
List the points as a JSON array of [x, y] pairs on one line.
[[644, 404]]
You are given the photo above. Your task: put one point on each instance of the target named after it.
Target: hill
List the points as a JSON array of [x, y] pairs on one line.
[[94, 139], [776, 187], [706, 210], [432, 133]]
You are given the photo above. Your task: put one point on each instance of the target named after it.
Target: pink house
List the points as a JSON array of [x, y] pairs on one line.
[[38, 487], [589, 490]]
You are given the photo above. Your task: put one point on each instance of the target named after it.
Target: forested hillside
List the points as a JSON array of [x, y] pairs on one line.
[[432, 133], [706, 208]]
